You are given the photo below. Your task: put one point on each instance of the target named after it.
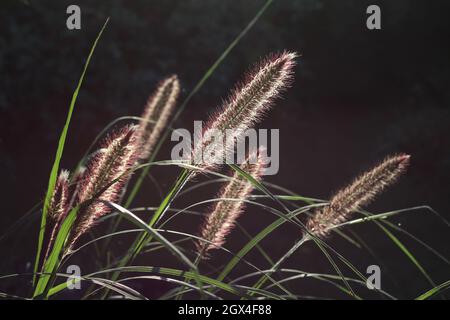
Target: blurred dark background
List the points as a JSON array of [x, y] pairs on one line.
[[358, 95]]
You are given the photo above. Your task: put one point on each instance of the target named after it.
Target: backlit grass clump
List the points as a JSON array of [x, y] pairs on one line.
[[102, 188]]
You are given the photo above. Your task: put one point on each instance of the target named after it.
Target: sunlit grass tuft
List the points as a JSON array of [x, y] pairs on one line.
[[316, 221]]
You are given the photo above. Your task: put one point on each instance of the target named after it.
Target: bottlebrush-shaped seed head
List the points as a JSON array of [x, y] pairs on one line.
[[156, 115], [60, 199], [115, 159], [220, 221], [58, 208], [75, 183], [245, 106], [361, 192], [78, 175]]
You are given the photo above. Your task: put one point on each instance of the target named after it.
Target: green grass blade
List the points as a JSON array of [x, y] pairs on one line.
[[425, 245], [172, 281], [51, 264], [437, 289], [261, 281], [258, 247], [258, 185], [259, 237], [403, 248], [59, 152], [141, 240], [138, 222], [163, 207], [159, 270]]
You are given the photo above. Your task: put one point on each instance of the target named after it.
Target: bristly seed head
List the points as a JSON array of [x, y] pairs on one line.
[[58, 208], [220, 221], [156, 114], [60, 199], [75, 183], [246, 105], [350, 199], [114, 160]]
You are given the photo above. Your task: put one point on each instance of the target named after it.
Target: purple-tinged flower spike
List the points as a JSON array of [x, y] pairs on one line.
[[361, 192], [114, 160], [220, 221], [156, 115], [246, 105], [75, 183], [58, 207], [60, 198]]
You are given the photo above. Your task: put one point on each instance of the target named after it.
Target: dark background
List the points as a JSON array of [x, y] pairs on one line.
[[358, 95]]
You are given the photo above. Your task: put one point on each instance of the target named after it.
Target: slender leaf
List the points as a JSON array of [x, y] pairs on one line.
[[60, 149]]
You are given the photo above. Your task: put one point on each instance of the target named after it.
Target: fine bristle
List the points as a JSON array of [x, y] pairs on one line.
[[360, 193], [156, 114], [59, 200], [75, 183], [58, 207], [220, 221], [117, 156], [245, 106], [250, 99]]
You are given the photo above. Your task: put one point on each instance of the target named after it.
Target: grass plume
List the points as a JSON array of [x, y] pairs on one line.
[[220, 221], [58, 207], [245, 106], [156, 114], [359, 193], [114, 160]]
